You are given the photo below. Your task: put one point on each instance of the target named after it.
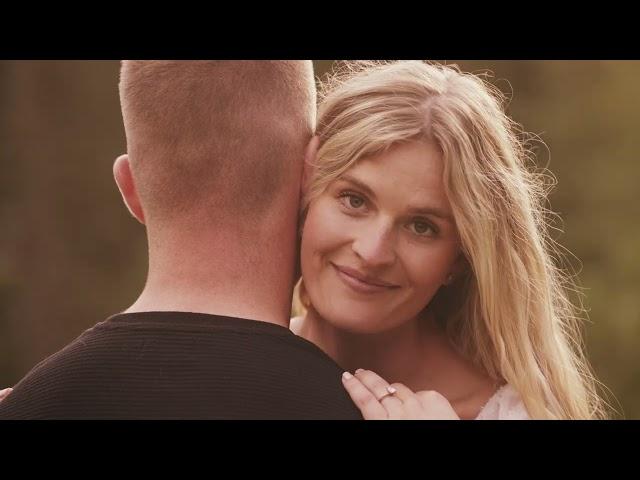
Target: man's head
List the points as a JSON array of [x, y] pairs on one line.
[[214, 141]]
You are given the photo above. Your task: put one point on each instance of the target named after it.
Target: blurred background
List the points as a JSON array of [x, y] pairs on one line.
[[71, 255]]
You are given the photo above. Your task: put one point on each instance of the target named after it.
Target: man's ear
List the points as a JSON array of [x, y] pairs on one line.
[[309, 161], [126, 185]]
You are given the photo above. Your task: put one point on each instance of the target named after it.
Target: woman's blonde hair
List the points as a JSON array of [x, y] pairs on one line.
[[511, 313]]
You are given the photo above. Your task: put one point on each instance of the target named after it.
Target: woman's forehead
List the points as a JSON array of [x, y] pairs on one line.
[[410, 174]]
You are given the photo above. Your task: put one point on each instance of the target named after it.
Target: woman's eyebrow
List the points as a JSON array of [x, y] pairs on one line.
[[413, 210], [434, 211], [358, 183]]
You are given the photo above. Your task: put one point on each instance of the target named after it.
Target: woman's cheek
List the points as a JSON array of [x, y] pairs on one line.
[[428, 267], [326, 226]]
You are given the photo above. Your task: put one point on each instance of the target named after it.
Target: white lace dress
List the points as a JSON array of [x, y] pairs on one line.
[[505, 404]]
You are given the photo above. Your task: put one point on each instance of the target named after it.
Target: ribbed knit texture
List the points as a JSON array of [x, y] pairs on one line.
[[174, 365]]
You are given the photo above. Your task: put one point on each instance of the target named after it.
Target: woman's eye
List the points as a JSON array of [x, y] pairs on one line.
[[351, 200], [355, 202], [422, 228]]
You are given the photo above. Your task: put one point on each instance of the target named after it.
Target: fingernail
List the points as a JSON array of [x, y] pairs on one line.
[[359, 370], [391, 390], [346, 376]]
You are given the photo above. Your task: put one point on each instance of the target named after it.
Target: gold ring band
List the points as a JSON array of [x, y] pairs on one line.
[[390, 393]]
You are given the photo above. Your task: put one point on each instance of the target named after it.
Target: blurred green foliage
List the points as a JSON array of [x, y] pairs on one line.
[[71, 255]]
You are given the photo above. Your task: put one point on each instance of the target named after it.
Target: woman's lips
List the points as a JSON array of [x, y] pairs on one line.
[[361, 283]]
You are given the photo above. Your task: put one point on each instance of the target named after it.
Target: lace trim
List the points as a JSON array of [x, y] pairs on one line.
[[505, 404]]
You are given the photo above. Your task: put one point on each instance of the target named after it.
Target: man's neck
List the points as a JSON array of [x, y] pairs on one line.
[[160, 300], [220, 277]]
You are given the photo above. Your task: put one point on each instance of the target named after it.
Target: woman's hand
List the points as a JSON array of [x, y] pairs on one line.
[[377, 400], [4, 393]]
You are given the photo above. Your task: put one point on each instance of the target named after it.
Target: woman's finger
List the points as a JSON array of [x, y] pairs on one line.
[[381, 390], [403, 392], [5, 392], [364, 399]]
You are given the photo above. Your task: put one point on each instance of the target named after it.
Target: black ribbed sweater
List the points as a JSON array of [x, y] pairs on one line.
[[174, 365]]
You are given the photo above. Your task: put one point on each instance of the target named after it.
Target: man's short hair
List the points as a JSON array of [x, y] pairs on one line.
[[216, 135]]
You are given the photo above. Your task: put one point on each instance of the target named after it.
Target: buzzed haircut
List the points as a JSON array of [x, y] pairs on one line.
[[222, 136]]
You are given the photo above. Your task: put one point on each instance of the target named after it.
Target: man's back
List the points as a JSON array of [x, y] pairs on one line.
[[173, 365]]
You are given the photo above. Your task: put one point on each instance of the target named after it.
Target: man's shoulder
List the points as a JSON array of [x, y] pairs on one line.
[[120, 370], [42, 387]]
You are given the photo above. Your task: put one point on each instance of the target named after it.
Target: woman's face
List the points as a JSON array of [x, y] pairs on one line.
[[379, 242]]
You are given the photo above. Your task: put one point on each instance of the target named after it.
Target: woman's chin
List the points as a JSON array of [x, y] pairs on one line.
[[358, 322]]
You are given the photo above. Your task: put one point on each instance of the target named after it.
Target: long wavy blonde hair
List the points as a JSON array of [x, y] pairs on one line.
[[511, 313]]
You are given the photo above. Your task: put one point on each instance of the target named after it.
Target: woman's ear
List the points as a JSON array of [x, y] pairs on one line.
[[459, 267]]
